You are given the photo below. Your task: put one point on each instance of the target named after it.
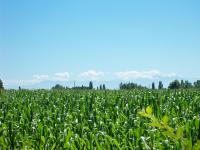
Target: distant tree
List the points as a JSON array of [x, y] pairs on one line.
[[197, 84], [129, 86], [174, 85], [160, 85], [187, 84], [74, 84], [19, 88], [1, 84], [104, 87], [100, 87], [58, 87], [153, 86], [182, 84], [90, 85], [80, 87], [120, 85]]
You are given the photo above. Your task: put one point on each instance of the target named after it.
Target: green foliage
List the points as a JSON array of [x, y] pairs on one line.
[[177, 136], [94, 119], [160, 85], [58, 87], [1, 84], [186, 84], [197, 84], [102, 87], [153, 86], [149, 110], [130, 86], [90, 85], [175, 85]]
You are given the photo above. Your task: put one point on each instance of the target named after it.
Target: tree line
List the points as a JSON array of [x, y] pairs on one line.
[[89, 87], [131, 85], [176, 84]]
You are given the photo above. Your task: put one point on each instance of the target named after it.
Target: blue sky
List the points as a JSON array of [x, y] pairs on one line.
[[43, 42]]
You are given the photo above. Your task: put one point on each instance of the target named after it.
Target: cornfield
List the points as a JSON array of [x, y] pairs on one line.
[[91, 119]]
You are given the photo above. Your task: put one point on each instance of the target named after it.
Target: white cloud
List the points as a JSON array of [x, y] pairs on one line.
[[34, 80], [95, 76], [92, 75], [64, 76], [152, 74], [19, 82], [41, 77]]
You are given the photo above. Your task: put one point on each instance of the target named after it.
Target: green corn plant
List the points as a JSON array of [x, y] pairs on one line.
[[77, 119], [166, 130]]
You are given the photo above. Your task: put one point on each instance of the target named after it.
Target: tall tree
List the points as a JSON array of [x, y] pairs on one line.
[[182, 84], [197, 84], [58, 87], [160, 85], [174, 85], [130, 85], [90, 85], [187, 84], [1, 84], [153, 85], [104, 87]]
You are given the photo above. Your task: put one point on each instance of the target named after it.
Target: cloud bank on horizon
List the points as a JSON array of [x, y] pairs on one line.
[[152, 74], [94, 75]]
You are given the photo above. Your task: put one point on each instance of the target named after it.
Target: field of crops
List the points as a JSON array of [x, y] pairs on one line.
[[135, 119]]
